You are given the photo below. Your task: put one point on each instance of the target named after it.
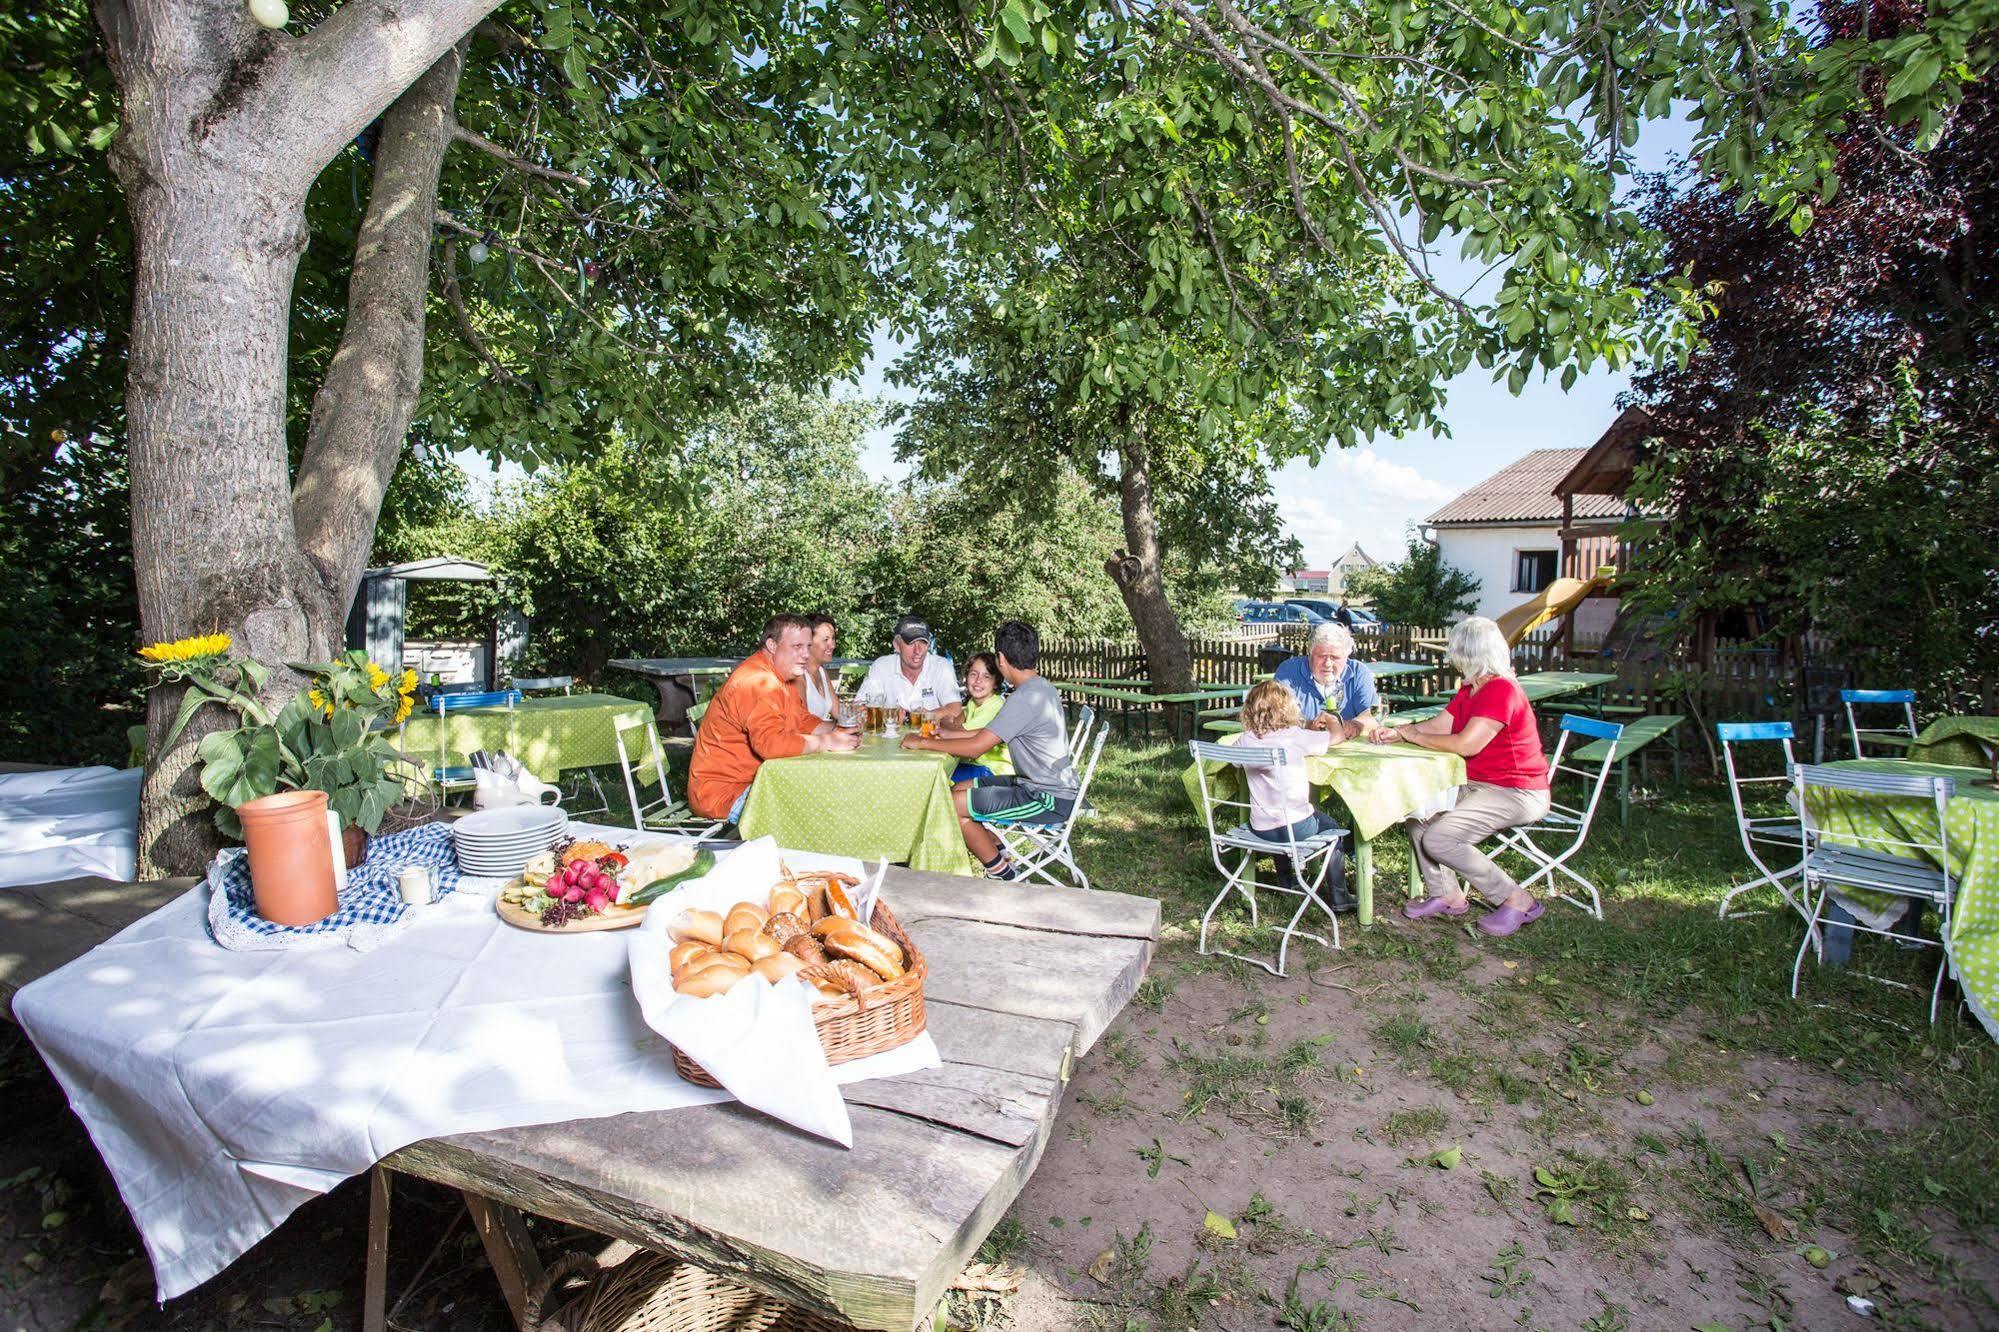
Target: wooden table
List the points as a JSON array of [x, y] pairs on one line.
[[1022, 980]]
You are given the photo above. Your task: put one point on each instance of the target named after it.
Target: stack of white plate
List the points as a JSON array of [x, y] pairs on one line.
[[498, 843]]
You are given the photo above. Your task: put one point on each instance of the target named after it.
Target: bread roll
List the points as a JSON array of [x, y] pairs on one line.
[[787, 900], [752, 944], [702, 926], [744, 916], [838, 903], [683, 953], [877, 952], [713, 979], [784, 927], [776, 967]]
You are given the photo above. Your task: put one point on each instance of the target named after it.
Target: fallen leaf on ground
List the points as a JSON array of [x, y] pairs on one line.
[[993, 1278], [1775, 1223], [1449, 1157], [1100, 1267], [1217, 1224]]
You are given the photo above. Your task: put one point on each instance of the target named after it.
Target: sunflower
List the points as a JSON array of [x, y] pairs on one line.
[[403, 708], [408, 683], [377, 677], [318, 700], [200, 648]]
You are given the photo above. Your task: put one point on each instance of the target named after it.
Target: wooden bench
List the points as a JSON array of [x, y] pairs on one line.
[[1637, 735], [1023, 981]]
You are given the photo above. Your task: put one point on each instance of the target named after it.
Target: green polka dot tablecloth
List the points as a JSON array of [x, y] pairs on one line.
[[550, 735], [1381, 785], [880, 802], [1965, 741], [1972, 820]]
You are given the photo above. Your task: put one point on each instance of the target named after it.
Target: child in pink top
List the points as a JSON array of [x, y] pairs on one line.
[[1280, 797]]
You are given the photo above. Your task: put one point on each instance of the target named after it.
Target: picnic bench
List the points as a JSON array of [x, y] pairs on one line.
[[1022, 981], [1637, 735]]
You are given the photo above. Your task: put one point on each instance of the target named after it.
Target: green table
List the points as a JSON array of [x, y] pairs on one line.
[[1972, 818], [1542, 685], [550, 735], [1380, 785], [1961, 741], [880, 802]]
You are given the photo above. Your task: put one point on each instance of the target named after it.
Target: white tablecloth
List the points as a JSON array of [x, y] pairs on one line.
[[66, 823], [224, 1089]]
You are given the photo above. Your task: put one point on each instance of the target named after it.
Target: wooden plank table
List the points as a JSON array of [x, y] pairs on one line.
[[1022, 980]]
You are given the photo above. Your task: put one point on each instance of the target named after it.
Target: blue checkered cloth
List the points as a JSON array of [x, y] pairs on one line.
[[371, 905]]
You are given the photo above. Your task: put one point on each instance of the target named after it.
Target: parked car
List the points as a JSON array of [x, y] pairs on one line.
[[1330, 610], [1276, 612]]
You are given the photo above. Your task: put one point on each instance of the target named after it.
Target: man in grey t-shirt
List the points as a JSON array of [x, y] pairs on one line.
[[1030, 724]]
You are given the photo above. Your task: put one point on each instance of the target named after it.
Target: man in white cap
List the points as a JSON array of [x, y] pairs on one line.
[[911, 678]]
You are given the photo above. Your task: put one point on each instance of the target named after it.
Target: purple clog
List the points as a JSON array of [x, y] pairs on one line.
[[1427, 907], [1504, 920]]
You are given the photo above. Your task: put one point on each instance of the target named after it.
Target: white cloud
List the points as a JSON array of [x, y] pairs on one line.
[[1391, 480], [1322, 532]]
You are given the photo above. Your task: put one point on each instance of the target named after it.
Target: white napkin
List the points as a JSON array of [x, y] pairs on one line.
[[758, 1039]]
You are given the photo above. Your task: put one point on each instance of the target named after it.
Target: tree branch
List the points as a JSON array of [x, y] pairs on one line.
[[454, 297], [521, 164]]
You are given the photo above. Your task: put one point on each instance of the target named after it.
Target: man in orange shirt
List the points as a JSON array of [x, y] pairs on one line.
[[759, 713]]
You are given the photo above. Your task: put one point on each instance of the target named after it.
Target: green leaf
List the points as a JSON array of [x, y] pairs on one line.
[[1916, 76], [1014, 16], [1561, 1211], [1217, 1224], [1448, 1158]]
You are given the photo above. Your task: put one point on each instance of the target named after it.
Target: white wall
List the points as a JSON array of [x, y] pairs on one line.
[[1486, 553]]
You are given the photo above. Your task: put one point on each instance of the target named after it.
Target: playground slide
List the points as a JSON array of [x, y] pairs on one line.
[[1552, 602]]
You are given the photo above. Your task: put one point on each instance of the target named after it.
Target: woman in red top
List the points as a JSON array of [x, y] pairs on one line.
[[1491, 724]]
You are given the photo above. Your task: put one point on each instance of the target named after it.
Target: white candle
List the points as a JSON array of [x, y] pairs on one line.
[[414, 884]]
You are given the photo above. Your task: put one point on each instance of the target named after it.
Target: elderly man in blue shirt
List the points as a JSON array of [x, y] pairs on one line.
[[1335, 692]]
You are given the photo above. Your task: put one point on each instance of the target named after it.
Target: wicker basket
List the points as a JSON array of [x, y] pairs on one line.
[[650, 1292], [856, 1026]]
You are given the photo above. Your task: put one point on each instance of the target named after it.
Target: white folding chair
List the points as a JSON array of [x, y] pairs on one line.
[[1896, 738], [1240, 842], [1079, 738], [547, 684], [1566, 827], [1905, 868], [1036, 847], [1765, 837], [664, 813]]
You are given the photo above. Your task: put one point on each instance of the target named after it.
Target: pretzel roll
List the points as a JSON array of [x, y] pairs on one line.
[[877, 952], [684, 953], [838, 903], [806, 949], [701, 926], [744, 916], [752, 944], [785, 899], [776, 967]]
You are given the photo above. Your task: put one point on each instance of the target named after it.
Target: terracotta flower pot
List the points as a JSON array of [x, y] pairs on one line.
[[291, 857]]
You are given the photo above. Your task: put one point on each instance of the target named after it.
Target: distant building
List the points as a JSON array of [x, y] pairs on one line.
[[1515, 534], [1331, 582]]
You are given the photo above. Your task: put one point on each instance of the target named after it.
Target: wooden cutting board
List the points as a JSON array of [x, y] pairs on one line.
[[617, 918]]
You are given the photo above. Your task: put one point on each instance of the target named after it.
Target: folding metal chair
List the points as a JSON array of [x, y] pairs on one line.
[[1035, 847], [1079, 736], [664, 814], [1896, 738], [1768, 836], [1570, 822], [1904, 868], [447, 776], [1238, 841], [546, 684]]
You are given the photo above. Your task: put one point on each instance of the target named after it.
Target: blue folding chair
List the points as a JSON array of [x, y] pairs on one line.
[[447, 776], [1896, 738], [1765, 837], [1567, 826]]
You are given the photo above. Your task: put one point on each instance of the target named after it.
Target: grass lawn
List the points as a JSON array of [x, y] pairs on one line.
[[1588, 1127]]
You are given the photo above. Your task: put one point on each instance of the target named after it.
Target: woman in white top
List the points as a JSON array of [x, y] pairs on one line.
[[820, 699]]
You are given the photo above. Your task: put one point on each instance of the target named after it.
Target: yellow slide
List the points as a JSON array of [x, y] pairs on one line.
[[1552, 602]]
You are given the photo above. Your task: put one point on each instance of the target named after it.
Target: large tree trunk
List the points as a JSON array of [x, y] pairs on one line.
[[224, 128], [1136, 571]]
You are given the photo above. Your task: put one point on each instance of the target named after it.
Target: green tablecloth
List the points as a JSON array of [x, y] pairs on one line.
[[1956, 740], [1381, 785], [1972, 818], [550, 735], [881, 802]]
